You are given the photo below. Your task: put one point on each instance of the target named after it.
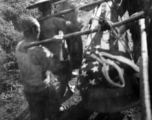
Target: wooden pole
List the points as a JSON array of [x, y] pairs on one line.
[[59, 2], [144, 79], [131, 19], [71, 10]]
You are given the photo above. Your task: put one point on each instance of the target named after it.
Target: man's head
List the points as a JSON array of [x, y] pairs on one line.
[[44, 6], [30, 27]]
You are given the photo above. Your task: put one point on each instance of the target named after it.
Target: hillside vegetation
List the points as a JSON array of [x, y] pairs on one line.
[[12, 101]]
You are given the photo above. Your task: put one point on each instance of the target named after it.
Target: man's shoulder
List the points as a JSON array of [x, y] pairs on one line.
[[35, 50], [39, 51], [19, 45], [53, 20]]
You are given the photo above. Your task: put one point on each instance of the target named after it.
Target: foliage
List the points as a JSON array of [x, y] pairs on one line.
[[12, 101]]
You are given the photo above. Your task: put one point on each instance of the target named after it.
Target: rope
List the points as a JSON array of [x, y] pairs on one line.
[[106, 63]]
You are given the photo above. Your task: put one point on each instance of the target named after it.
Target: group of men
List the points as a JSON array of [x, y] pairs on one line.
[[39, 65], [45, 70]]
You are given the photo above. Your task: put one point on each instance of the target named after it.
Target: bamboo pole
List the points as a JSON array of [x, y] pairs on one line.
[[144, 78], [59, 2], [71, 10], [131, 19]]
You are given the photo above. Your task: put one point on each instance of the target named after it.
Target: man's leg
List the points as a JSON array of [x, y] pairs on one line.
[[36, 105], [53, 102]]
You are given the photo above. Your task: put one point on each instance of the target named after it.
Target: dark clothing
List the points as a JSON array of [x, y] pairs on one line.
[[42, 105], [51, 27]]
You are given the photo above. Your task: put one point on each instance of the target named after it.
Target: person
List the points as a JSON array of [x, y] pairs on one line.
[[46, 8], [35, 65], [51, 26]]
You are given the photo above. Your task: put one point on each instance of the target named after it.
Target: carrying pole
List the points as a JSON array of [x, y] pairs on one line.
[[59, 2], [144, 79], [95, 3], [131, 19]]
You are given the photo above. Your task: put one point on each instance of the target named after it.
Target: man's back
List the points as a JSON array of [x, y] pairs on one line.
[[33, 63]]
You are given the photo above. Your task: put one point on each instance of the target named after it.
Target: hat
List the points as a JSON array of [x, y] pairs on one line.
[[37, 3]]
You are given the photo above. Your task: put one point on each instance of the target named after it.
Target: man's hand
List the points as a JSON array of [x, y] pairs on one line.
[[104, 25], [59, 36]]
